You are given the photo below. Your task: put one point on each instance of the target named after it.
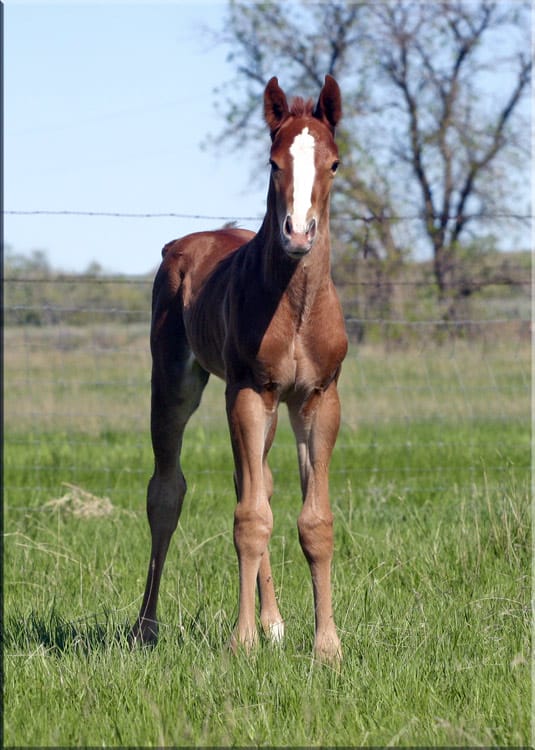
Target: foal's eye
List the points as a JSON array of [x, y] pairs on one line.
[[335, 166], [274, 166]]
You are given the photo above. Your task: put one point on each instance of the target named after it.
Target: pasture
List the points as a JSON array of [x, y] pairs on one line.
[[430, 488]]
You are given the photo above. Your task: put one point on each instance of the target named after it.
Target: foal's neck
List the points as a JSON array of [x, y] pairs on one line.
[[298, 279]]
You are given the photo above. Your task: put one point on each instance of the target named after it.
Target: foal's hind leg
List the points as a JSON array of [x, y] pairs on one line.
[[175, 396]]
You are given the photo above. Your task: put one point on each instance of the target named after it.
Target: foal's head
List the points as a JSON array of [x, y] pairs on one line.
[[304, 159]]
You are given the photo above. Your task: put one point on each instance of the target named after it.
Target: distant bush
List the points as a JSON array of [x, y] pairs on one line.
[[379, 303], [35, 294]]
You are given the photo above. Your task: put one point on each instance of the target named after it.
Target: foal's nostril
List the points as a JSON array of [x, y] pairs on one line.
[[288, 227], [311, 229]]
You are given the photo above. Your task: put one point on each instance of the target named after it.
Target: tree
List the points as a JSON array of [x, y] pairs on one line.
[[425, 135], [456, 126]]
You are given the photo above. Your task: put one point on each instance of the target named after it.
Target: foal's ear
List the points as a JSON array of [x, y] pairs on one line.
[[275, 106], [329, 106]]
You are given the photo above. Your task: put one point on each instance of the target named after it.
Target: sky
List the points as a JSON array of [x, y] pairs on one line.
[[107, 105]]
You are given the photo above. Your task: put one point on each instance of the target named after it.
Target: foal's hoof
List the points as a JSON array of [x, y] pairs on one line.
[[274, 632], [245, 643], [328, 651], [144, 633]]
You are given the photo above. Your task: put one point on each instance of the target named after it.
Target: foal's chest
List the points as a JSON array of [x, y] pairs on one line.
[[300, 360]]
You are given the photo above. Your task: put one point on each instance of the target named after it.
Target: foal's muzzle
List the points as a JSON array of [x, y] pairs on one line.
[[298, 243]]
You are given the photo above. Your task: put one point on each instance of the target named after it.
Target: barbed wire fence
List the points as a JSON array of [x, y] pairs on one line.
[[178, 215], [77, 376]]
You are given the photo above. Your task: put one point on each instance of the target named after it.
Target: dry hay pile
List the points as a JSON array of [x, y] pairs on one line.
[[80, 503]]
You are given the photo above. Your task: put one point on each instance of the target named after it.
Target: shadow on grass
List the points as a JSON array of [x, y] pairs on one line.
[[59, 636]]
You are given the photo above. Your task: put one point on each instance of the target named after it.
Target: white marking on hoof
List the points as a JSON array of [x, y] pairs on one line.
[[276, 632]]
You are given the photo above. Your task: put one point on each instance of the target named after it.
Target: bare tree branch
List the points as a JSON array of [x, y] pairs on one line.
[[420, 71]]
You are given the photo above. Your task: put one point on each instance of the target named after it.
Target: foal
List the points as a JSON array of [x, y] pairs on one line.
[[261, 312]]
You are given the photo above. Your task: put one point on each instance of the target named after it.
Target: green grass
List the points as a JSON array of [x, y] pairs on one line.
[[431, 580]]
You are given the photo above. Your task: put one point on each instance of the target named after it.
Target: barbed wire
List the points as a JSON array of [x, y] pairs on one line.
[[129, 215], [207, 217], [84, 278], [348, 319], [81, 278]]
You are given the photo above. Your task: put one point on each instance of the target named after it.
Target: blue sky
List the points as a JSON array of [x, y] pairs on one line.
[[106, 107], [107, 104]]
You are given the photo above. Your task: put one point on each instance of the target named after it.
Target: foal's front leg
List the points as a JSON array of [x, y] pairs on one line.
[[270, 616], [316, 423], [250, 415]]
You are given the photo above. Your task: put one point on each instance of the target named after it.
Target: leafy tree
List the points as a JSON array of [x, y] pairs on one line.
[[426, 135]]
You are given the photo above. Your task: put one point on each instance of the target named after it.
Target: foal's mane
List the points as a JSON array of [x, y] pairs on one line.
[[300, 107]]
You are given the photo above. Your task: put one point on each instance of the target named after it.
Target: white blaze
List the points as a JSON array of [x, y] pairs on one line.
[[302, 151]]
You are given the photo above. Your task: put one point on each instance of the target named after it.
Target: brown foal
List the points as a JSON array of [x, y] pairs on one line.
[[261, 312]]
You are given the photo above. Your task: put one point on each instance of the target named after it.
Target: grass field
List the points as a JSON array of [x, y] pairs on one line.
[[430, 489]]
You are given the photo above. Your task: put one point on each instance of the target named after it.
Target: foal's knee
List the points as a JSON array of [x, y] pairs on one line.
[[316, 535], [252, 529]]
